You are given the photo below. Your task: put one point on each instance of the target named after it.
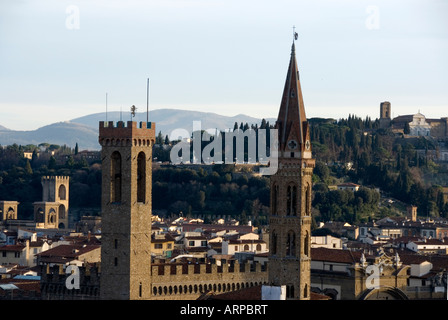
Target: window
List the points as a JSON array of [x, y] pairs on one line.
[[116, 243], [274, 199], [308, 200], [273, 248], [291, 244], [115, 175], [141, 177], [291, 200], [290, 291], [191, 243], [307, 244], [62, 192], [203, 243], [158, 246]]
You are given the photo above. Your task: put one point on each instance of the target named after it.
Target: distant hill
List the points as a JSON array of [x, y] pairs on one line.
[[2, 128], [169, 119], [61, 133], [84, 130]]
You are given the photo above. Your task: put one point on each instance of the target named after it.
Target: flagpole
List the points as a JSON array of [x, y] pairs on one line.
[[147, 101]]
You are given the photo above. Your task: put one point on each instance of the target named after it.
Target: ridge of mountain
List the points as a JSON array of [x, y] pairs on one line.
[[84, 130]]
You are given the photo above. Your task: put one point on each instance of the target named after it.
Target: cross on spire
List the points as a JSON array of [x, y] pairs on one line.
[[294, 33]]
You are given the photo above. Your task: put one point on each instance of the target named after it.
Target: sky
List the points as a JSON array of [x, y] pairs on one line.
[[60, 58]]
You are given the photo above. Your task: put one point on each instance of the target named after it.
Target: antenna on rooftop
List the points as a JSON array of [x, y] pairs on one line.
[[106, 106], [147, 101]]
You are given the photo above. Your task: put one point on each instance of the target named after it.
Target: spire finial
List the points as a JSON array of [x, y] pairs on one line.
[[294, 34]]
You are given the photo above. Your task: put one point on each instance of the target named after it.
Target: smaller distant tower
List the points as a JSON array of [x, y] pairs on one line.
[[385, 114], [52, 211], [412, 213]]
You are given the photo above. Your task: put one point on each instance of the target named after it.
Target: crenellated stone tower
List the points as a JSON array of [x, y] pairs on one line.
[[290, 219], [53, 211], [126, 209]]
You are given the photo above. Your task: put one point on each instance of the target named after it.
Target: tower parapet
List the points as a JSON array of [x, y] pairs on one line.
[[132, 134]]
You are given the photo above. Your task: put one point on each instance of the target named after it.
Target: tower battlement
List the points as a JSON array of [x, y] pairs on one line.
[[168, 270], [169, 280], [130, 129], [63, 179], [131, 134]]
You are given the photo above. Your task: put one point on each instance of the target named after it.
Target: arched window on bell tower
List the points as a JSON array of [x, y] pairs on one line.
[[274, 199], [115, 176], [291, 244], [308, 200], [141, 177], [273, 247], [306, 244], [291, 200]]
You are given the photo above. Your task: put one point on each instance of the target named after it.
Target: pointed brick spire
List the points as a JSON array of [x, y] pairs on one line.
[[291, 122]]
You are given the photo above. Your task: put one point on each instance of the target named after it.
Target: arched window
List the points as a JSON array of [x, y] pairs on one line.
[[10, 214], [62, 192], [274, 199], [291, 200], [115, 176], [291, 244], [305, 291], [40, 215], [61, 211], [273, 248], [141, 177], [294, 200], [308, 200], [51, 216], [307, 244]]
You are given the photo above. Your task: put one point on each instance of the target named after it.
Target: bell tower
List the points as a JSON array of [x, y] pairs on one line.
[[126, 209], [290, 216]]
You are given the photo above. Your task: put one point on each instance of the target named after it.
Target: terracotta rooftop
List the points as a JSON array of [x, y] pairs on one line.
[[68, 250], [335, 255]]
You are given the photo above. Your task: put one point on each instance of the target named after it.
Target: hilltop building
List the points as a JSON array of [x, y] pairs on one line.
[[417, 124]]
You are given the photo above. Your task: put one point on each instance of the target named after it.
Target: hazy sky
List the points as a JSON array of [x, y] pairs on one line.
[[59, 58]]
